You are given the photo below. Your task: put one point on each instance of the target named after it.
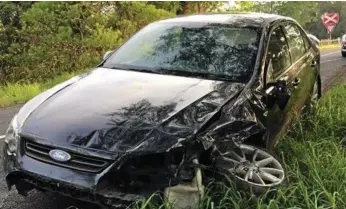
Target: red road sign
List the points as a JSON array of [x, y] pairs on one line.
[[330, 20]]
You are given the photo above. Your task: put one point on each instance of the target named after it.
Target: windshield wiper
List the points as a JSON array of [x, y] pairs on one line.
[[130, 68], [197, 74], [166, 71]]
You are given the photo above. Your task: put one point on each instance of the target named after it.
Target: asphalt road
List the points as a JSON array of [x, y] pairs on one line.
[[333, 68]]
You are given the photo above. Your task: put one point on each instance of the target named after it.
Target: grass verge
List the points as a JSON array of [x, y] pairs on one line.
[[20, 93], [314, 157], [332, 46]]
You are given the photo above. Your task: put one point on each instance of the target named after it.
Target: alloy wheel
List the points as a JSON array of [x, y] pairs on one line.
[[254, 168]]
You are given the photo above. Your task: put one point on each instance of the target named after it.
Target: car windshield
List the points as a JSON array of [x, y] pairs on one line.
[[210, 51]]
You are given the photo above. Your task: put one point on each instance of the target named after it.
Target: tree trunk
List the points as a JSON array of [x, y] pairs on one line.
[[271, 7], [200, 7], [186, 8]]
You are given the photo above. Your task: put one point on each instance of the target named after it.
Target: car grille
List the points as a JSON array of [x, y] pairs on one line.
[[77, 162]]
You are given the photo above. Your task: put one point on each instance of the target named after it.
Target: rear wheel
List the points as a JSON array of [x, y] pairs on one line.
[[343, 54]]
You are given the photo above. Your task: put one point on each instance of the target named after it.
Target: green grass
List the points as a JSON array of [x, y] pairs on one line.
[[314, 157], [20, 93], [331, 46]]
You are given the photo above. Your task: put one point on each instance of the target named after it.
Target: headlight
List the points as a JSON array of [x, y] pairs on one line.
[[11, 137]]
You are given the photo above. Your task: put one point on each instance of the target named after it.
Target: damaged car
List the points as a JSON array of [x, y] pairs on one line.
[[182, 100]]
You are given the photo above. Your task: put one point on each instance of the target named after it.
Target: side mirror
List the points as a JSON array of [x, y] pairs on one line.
[[269, 97], [106, 55], [282, 94], [277, 92]]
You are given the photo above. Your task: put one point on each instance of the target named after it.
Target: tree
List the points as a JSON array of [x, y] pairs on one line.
[[189, 7], [302, 11], [43, 39], [170, 6], [10, 39], [244, 6]]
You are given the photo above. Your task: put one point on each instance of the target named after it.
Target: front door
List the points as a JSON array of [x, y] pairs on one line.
[[281, 73]]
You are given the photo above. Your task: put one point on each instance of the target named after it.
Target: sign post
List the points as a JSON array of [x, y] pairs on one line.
[[330, 20]]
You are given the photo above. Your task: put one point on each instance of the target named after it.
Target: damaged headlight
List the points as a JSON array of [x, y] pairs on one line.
[[11, 138]]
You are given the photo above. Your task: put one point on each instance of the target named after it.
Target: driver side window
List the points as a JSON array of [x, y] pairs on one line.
[[278, 56]]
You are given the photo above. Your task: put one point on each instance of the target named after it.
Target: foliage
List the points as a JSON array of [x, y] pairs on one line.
[[188, 7], [39, 40], [302, 11], [44, 39], [10, 25], [307, 13], [243, 6]]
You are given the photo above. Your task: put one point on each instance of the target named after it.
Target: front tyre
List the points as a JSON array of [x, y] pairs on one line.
[[343, 54]]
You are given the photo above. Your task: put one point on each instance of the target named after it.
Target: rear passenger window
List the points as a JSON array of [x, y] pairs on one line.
[[295, 41], [278, 57]]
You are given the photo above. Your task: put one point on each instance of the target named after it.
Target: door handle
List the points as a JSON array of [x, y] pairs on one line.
[[313, 63], [296, 82]]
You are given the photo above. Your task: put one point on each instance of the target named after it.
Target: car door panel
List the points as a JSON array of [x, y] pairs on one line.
[[279, 72], [299, 78]]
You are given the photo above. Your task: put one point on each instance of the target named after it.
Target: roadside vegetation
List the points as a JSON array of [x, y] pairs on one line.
[[16, 93], [314, 157]]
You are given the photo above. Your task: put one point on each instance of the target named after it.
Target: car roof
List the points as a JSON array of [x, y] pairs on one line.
[[247, 19]]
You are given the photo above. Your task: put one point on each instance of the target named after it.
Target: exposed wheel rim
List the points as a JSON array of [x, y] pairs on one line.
[[255, 167]]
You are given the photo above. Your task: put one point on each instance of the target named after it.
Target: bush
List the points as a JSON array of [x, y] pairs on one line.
[[60, 37]]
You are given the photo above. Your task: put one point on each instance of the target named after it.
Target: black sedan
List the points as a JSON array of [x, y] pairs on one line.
[[184, 98]]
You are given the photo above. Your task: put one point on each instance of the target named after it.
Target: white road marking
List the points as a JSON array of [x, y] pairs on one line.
[[2, 136], [332, 60], [323, 55]]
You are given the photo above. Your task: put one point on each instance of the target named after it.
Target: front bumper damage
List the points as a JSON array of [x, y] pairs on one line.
[[109, 188], [178, 179]]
